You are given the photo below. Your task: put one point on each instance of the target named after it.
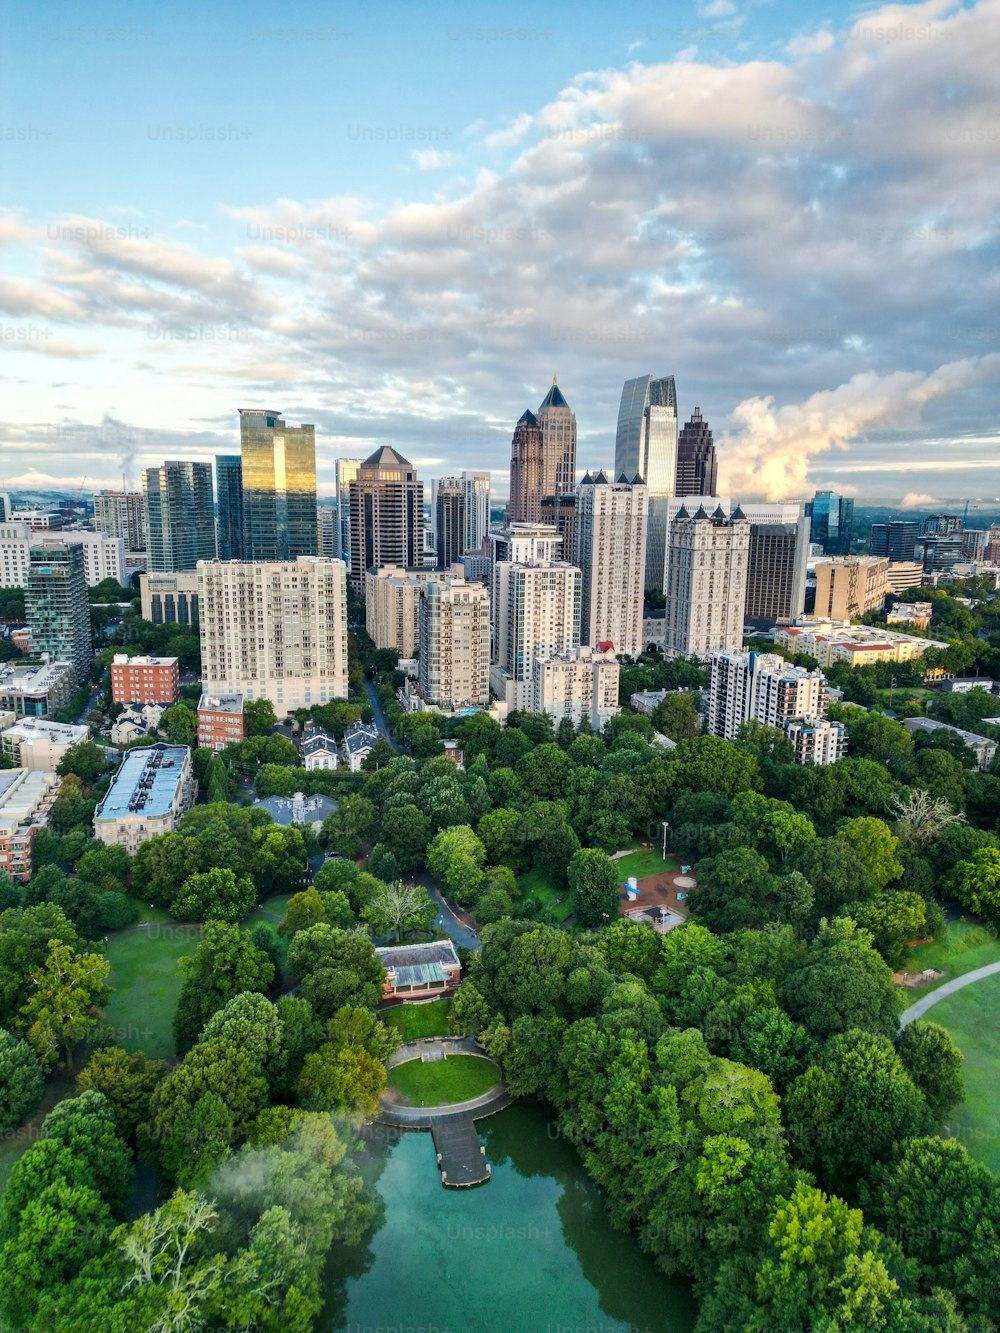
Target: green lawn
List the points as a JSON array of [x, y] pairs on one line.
[[458, 1078], [146, 982], [533, 884], [419, 1020], [646, 861], [970, 1017], [961, 947], [17, 1142]]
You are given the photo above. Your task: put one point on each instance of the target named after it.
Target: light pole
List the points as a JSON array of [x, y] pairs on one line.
[[666, 826], [892, 686]]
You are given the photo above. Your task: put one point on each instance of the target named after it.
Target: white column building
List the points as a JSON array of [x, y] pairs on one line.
[[707, 564], [610, 551], [537, 615], [454, 669]]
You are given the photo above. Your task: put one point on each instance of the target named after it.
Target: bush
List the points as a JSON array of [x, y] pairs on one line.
[[116, 910]]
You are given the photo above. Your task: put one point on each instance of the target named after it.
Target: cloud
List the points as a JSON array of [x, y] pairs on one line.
[[918, 500], [430, 159]]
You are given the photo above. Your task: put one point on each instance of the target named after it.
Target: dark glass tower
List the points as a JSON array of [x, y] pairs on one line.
[[229, 506], [387, 515], [697, 465], [449, 522], [832, 518], [55, 602], [179, 516], [279, 487]]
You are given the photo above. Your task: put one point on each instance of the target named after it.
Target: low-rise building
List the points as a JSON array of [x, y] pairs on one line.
[[917, 614], [38, 744], [360, 738], [149, 794], [298, 809], [645, 701], [132, 723], [420, 971], [965, 684], [817, 740], [582, 683], [220, 720], [37, 689], [319, 751], [26, 800], [983, 746], [832, 641], [145, 680], [904, 574]]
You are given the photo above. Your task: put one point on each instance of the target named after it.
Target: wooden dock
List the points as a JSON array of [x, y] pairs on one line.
[[461, 1157]]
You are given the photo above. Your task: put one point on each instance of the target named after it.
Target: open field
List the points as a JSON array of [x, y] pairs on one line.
[[419, 1020], [533, 884], [961, 947], [146, 982], [970, 1017], [458, 1078], [645, 861]]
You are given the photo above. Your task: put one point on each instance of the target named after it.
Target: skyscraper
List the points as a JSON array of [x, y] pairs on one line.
[[706, 582], [610, 551], [55, 603], [328, 531], [449, 521], [180, 520], [537, 615], [697, 464], [454, 644], [527, 472], [558, 424], [347, 470], [776, 572], [122, 514], [279, 487], [832, 518], [896, 539], [646, 446], [387, 515], [560, 512], [229, 506], [849, 586], [477, 508]]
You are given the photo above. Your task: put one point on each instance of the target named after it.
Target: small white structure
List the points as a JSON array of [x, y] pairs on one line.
[[319, 751]]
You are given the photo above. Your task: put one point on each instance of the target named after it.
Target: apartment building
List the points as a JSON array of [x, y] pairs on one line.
[[220, 720], [579, 684], [848, 588], [151, 791], [145, 680]]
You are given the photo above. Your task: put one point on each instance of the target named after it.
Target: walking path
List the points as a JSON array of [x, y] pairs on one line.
[[447, 920], [926, 1002], [381, 724]]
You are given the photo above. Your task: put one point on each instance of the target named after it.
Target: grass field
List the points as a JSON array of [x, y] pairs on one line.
[[419, 1020], [146, 982], [970, 1017], [533, 884], [961, 947], [646, 861], [458, 1078]]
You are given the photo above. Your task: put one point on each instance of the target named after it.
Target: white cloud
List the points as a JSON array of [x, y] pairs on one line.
[[432, 159], [918, 500]]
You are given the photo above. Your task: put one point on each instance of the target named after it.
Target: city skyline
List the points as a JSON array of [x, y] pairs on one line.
[[150, 294]]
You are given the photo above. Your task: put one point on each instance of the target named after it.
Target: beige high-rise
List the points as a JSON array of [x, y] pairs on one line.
[[537, 615], [706, 582], [454, 644], [849, 587], [610, 540], [392, 605], [386, 515], [275, 630]]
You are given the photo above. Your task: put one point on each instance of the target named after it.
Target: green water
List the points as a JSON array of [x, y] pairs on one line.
[[531, 1250]]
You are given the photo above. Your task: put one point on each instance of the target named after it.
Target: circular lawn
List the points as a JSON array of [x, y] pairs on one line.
[[457, 1078]]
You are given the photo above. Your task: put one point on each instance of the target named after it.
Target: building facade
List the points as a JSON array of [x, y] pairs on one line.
[[762, 687], [449, 521], [55, 603], [708, 563], [610, 551], [527, 472], [148, 796], [145, 680], [558, 426], [817, 741], [346, 471], [37, 690], [387, 515], [904, 574], [26, 801], [279, 487], [477, 509], [895, 539], [170, 599], [122, 514], [577, 685], [832, 522], [830, 641], [274, 630], [849, 587], [454, 666], [537, 614], [103, 556], [776, 572], [392, 605], [220, 720], [229, 506], [328, 531], [38, 744], [180, 516], [697, 464], [646, 448]]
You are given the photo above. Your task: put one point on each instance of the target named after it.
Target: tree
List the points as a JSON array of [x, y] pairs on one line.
[[225, 963], [127, 1081], [713, 765], [347, 828], [347, 1073], [179, 724], [456, 857], [934, 1062], [25, 936], [405, 831], [765, 743], [593, 883], [876, 847], [398, 909], [215, 895], [875, 736], [835, 871], [309, 907], [893, 919], [85, 760], [842, 984], [383, 864], [258, 717], [975, 883], [21, 1082], [677, 717], [501, 837], [335, 968], [69, 990], [107, 868]]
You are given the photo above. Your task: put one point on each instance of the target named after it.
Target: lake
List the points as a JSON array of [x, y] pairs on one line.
[[532, 1250]]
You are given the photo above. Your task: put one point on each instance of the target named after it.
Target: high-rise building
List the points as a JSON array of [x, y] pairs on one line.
[[558, 424], [527, 472], [776, 572], [103, 557], [518, 543], [454, 669], [974, 543], [559, 512], [477, 509], [850, 586], [577, 685], [896, 539], [942, 525], [707, 564], [760, 687], [903, 574], [646, 447], [832, 519], [537, 614], [387, 515], [279, 487], [610, 552], [170, 599], [697, 463], [122, 514], [817, 740], [328, 531], [180, 518], [392, 605], [55, 603], [274, 630], [229, 506], [938, 551], [449, 521], [347, 470]]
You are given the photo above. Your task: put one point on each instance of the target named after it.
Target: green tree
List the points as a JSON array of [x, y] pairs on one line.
[[225, 963], [405, 831], [127, 1080], [875, 736], [975, 883], [85, 760], [68, 993], [893, 919], [500, 833], [347, 1072], [593, 883], [179, 724], [258, 717], [456, 858], [335, 968], [713, 765], [876, 846], [677, 717], [347, 829], [398, 909], [842, 984], [214, 895], [21, 1082], [934, 1062]]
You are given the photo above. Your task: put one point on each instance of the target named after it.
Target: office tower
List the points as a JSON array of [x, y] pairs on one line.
[[477, 509], [707, 582], [537, 614], [527, 472], [579, 684], [942, 525], [454, 644], [392, 605], [974, 543], [103, 557], [328, 531], [347, 470], [122, 514], [832, 517], [180, 521], [760, 687], [896, 539], [559, 512], [558, 426], [387, 515], [55, 603], [229, 506], [937, 552], [992, 551], [6, 508], [610, 552], [449, 521], [275, 630], [646, 447], [849, 587], [279, 487], [776, 572], [697, 463]]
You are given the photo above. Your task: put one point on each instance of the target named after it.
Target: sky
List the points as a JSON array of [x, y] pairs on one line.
[[399, 221]]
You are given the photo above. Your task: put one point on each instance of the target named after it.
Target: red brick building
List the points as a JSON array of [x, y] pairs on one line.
[[220, 720], [145, 680]]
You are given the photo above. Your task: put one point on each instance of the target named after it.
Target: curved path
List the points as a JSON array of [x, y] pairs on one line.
[[381, 725], [920, 1008]]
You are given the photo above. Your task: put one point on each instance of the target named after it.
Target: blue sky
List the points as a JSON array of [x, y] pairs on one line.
[[398, 222]]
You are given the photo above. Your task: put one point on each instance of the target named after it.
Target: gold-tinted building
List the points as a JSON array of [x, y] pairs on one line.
[[279, 487]]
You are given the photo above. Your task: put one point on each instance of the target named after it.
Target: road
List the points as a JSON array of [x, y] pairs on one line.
[[446, 919], [91, 701], [380, 721], [926, 1002]]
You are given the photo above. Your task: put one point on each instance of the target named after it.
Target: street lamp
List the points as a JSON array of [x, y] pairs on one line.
[[666, 826]]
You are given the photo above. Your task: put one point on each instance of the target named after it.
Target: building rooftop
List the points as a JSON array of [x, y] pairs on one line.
[[410, 964], [123, 659], [929, 724], [221, 703], [360, 736], [21, 793], [35, 677], [43, 728], [146, 783], [386, 456], [297, 809], [318, 741]]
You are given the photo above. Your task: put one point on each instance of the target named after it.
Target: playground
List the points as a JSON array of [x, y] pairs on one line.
[[654, 887]]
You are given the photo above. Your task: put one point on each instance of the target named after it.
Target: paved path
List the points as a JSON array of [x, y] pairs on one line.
[[380, 722], [446, 919], [926, 1002]]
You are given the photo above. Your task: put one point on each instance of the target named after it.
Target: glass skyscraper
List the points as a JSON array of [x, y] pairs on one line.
[[832, 522], [646, 447], [279, 487], [229, 506], [179, 515], [55, 602]]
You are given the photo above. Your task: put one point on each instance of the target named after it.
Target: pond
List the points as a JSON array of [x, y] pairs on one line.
[[531, 1250]]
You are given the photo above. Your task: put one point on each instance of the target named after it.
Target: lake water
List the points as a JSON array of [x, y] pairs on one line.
[[532, 1251]]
